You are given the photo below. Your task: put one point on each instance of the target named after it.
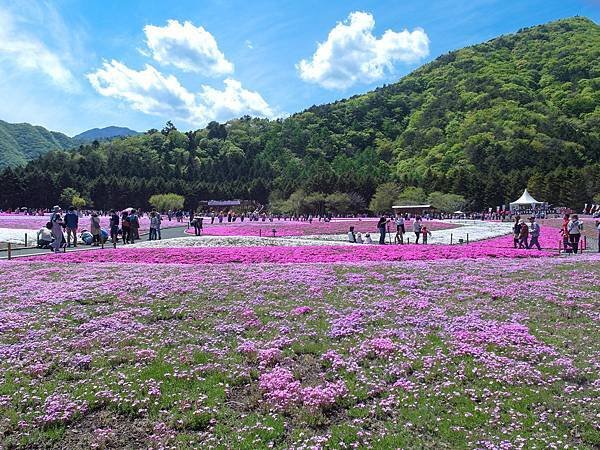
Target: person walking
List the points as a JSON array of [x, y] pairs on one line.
[[564, 232], [534, 233], [574, 228], [125, 227], [71, 224], [114, 227], [381, 227], [417, 228], [523, 234], [516, 231], [57, 228]]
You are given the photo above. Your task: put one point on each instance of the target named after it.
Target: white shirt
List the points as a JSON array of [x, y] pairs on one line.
[[45, 234]]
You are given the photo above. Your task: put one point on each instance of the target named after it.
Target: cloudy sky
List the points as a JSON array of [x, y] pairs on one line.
[[72, 65]]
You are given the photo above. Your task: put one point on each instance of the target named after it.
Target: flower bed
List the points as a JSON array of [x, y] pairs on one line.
[[454, 353], [20, 221], [295, 228]]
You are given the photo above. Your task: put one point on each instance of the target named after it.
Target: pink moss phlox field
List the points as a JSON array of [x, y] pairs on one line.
[[19, 221], [465, 352], [296, 228]]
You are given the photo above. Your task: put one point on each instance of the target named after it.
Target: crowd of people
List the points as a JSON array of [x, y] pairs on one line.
[[65, 230], [419, 228]]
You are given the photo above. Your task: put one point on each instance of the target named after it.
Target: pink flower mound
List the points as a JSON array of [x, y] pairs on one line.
[[492, 248], [301, 310], [280, 388], [247, 348], [269, 356], [289, 228], [379, 347], [322, 397], [60, 408], [347, 325], [19, 221]]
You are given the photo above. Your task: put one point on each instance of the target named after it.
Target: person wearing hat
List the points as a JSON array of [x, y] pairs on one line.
[[534, 233], [57, 228]]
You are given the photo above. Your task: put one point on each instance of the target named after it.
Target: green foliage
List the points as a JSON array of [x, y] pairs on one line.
[[482, 122], [446, 202], [384, 197], [21, 142], [411, 196], [164, 202], [67, 196], [596, 199]]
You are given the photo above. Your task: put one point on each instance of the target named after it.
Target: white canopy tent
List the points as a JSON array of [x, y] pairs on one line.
[[526, 200]]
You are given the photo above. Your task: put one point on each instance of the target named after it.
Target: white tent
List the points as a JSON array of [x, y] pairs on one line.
[[525, 200]]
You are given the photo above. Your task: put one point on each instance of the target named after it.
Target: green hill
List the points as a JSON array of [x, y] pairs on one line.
[[482, 122], [22, 142]]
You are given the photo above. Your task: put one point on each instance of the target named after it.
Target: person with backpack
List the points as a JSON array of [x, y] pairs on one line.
[[534, 233], [574, 228], [71, 223], [134, 226]]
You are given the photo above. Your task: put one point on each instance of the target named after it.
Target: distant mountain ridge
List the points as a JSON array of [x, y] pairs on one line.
[[105, 133], [22, 142]]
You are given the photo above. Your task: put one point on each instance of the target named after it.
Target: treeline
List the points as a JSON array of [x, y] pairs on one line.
[[481, 123]]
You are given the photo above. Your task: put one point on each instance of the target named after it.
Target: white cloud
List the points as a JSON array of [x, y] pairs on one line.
[[26, 52], [151, 92], [233, 101], [189, 48], [352, 54]]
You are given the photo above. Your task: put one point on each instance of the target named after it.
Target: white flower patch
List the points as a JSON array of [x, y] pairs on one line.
[[17, 235], [231, 241]]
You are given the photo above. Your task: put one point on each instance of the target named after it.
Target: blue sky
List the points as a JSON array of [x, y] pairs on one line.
[[73, 65]]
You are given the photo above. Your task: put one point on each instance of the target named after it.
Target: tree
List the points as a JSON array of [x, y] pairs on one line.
[[164, 202], [446, 202], [383, 199], [78, 202], [411, 196], [338, 203], [67, 195]]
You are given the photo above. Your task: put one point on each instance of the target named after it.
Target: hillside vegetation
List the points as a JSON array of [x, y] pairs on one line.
[[482, 122], [22, 142]]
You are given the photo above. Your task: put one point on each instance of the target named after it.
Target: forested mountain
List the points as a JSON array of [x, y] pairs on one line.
[[104, 134], [482, 122], [22, 142]]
